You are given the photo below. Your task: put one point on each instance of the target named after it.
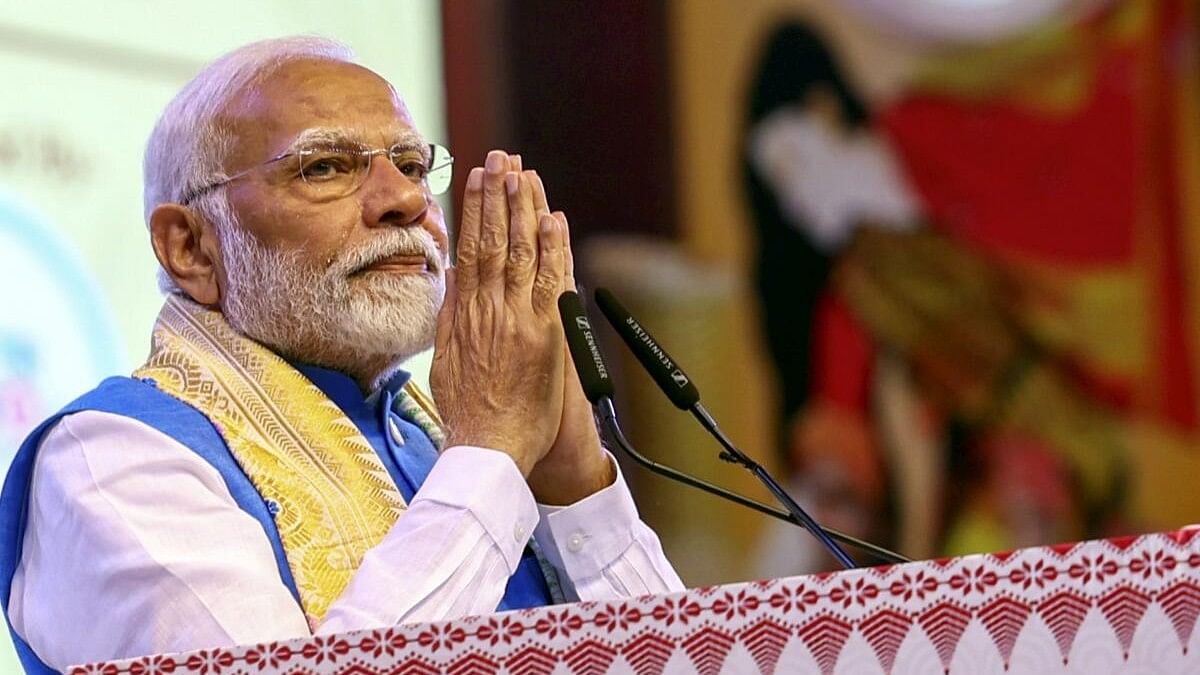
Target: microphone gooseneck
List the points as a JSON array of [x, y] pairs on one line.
[[682, 392], [597, 387], [608, 419]]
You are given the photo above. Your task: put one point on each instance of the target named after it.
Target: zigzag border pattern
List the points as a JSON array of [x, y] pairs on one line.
[[1095, 592]]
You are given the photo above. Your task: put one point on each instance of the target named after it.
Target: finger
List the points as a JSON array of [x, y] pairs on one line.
[[445, 317], [493, 230], [568, 255], [467, 259], [551, 265], [540, 204], [522, 237], [514, 163]]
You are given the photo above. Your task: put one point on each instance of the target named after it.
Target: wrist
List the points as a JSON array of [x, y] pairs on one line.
[[564, 483], [524, 461]]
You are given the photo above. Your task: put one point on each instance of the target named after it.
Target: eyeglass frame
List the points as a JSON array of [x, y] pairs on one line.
[[369, 153]]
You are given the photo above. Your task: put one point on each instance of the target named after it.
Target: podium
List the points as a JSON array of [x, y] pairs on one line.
[[1122, 605]]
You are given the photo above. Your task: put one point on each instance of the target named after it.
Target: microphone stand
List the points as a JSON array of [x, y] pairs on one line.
[[608, 419], [734, 456]]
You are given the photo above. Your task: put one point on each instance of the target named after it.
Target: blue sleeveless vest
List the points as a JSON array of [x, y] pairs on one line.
[[408, 464]]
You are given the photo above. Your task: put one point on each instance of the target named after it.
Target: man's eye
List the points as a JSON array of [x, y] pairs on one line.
[[325, 166], [414, 169]]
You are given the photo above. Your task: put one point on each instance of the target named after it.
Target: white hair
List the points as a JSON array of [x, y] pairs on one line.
[[188, 146]]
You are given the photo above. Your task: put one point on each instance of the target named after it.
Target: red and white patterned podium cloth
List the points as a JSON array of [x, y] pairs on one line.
[[1126, 605]]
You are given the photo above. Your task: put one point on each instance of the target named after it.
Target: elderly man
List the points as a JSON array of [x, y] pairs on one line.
[[268, 472]]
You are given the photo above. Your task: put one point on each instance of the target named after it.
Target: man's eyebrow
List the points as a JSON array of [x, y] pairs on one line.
[[407, 138], [411, 139], [321, 136]]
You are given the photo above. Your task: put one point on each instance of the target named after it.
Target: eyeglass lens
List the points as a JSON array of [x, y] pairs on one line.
[[330, 172]]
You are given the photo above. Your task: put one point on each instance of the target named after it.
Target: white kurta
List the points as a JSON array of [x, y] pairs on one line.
[[134, 546]]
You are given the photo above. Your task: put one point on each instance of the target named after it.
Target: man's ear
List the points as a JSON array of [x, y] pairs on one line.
[[186, 247]]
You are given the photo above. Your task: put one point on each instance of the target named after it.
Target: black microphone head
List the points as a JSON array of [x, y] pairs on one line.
[[585, 353], [666, 373]]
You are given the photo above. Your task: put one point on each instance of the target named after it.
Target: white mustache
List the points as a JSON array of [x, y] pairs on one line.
[[397, 242]]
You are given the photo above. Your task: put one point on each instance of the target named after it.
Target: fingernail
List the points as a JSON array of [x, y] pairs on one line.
[[516, 160], [495, 162], [546, 224], [475, 179], [510, 182]]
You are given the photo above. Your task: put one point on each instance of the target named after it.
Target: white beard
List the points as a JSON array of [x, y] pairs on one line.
[[361, 324]]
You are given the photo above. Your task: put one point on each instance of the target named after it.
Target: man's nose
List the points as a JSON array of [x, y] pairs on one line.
[[389, 198]]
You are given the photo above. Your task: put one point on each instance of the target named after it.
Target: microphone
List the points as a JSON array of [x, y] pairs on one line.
[[682, 392], [597, 387], [669, 376], [581, 342]]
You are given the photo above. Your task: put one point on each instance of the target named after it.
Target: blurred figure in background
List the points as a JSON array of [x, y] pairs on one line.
[[976, 293]]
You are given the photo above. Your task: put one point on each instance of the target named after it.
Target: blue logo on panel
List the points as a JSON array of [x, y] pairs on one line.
[[57, 336]]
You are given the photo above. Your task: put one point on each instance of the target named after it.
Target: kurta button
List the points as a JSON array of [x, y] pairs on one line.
[[394, 429], [575, 543], [518, 532]]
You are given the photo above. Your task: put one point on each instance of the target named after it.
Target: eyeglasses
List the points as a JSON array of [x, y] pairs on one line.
[[324, 172]]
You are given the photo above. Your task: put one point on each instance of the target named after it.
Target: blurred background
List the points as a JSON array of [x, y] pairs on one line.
[[935, 262]]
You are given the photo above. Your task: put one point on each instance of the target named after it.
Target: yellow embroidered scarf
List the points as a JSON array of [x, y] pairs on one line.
[[336, 500]]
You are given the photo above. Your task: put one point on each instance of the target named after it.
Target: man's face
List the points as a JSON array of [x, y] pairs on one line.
[[353, 282]]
